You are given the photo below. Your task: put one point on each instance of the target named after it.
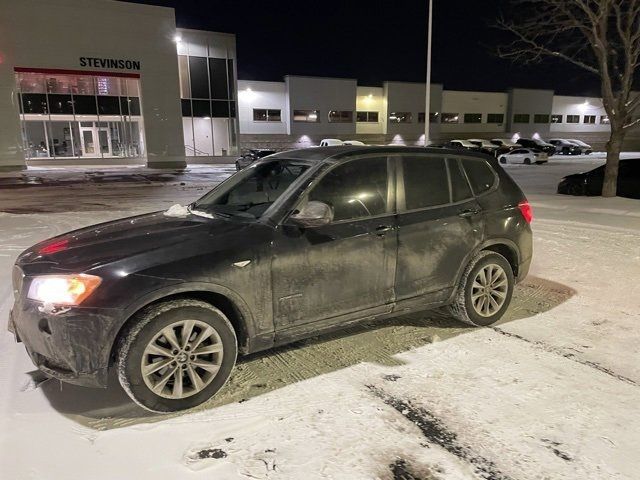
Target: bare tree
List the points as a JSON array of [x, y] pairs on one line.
[[600, 36]]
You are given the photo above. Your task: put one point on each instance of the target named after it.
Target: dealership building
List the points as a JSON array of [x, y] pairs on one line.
[[103, 82]]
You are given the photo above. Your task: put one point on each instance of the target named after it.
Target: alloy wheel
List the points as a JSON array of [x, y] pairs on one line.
[[182, 359], [489, 290]]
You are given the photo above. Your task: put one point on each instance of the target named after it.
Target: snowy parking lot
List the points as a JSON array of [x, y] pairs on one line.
[[551, 392]]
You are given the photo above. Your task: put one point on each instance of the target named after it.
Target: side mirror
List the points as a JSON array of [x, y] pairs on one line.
[[313, 214]]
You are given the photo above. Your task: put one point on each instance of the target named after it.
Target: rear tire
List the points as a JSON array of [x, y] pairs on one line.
[[468, 305], [238, 167], [194, 341], [527, 161]]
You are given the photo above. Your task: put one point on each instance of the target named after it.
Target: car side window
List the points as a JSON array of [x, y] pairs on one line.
[[460, 189], [480, 174], [356, 189], [425, 182]]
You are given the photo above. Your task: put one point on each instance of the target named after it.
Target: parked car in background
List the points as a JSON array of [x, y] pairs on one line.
[[354, 142], [565, 147], [333, 235], [462, 145], [331, 142], [524, 155], [504, 145], [485, 145], [585, 147], [537, 144], [590, 183], [251, 156]]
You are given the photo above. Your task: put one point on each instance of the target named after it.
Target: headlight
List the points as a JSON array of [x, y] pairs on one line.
[[63, 289]]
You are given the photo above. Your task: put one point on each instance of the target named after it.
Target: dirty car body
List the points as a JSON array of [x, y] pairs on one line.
[[386, 248]]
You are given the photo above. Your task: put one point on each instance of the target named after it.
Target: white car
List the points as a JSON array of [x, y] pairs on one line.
[[353, 142], [331, 142], [524, 155]]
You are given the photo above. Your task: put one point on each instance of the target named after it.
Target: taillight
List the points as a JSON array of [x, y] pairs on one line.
[[526, 210], [54, 247]]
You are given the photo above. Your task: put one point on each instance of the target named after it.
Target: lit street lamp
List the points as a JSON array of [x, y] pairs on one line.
[[427, 116]]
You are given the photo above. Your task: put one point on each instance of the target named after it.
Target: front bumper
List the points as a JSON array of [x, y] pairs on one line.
[[73, 345]]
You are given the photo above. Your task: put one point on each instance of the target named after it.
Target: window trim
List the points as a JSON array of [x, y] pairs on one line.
[[267, 110], [401, 206], [293, 115]]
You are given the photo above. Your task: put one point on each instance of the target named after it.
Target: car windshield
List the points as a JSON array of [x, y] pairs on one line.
[[251, 192]]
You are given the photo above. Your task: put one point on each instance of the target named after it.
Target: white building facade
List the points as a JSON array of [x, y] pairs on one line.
[[394, 113], [107, 82]]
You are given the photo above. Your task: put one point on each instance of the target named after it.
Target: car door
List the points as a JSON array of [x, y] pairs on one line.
[[516, 156], [345, 267], [439, 224]]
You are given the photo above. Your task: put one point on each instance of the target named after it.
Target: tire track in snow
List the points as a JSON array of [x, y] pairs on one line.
[[436, 432], [570, 356]]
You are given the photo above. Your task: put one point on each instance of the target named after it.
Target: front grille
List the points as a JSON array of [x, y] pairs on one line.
[[18, 279]]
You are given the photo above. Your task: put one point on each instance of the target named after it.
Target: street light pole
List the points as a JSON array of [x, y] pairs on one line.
[[428, 88]]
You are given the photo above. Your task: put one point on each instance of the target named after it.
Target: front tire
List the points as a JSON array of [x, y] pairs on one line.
[[527, 161], [503, 160], [176, 355], [484, 291]]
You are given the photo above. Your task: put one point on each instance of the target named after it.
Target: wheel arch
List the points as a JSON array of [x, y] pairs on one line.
[[226, 300], [505, 247]]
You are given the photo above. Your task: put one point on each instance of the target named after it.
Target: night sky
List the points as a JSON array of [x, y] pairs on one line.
[[373, 41]]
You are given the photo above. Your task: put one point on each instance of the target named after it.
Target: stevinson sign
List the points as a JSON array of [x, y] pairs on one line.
[[119, 63]]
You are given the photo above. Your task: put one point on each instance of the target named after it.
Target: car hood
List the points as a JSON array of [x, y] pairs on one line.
[[91, 247]]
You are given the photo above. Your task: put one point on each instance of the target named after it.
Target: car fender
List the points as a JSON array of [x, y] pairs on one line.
[[483, 246], [198, 287]]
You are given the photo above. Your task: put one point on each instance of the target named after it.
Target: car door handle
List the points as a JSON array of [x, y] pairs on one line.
[[469, 212], [381, 230]]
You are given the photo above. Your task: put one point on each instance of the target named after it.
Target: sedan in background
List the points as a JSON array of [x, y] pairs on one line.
[[251, 156], [590, 183], [584, 147], [537, 144], [524, 155], [565, 147]]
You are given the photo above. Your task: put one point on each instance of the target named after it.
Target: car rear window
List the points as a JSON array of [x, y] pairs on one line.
[[481, 175]]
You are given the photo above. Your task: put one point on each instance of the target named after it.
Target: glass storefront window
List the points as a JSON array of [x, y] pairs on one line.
[[80, 116]]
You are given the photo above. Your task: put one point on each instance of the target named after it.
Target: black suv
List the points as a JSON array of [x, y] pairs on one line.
[[537, 145], [294, 245]]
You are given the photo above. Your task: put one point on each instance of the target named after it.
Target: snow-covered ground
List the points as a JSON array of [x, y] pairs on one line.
[[552, 392]]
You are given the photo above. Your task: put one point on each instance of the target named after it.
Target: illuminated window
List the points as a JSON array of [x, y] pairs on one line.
[[604, 120], [400, 117], [79, 116], [266, 115], [556, 118], [310, 116], [450, 118]]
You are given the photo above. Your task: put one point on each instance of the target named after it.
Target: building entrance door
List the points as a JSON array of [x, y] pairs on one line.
[[95, 139]]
